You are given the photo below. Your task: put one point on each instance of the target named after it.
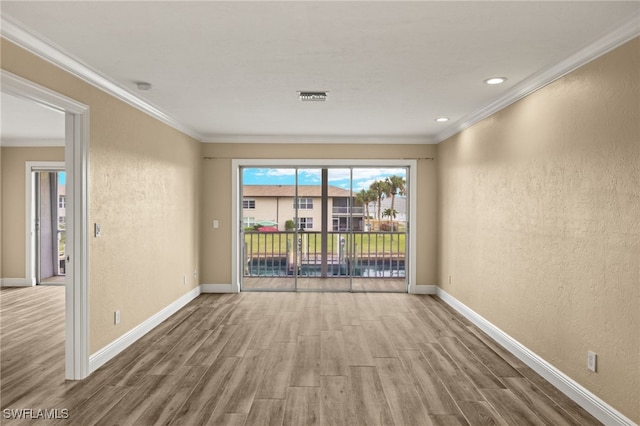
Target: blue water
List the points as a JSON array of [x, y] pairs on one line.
[[278, 268]]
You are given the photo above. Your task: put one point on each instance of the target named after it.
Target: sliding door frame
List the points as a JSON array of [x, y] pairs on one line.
[[236, 197], [31, 204]]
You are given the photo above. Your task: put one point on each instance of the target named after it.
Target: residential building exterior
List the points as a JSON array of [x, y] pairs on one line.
[[276, 203]]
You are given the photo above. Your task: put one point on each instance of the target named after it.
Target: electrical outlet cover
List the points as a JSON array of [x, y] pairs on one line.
[[591, 361]]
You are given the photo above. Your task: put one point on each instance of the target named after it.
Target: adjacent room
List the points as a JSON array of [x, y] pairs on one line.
[[300, 213]]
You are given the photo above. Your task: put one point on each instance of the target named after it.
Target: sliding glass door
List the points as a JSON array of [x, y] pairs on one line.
[[324, 233], [324, 229], [49, 224], [268, 235]]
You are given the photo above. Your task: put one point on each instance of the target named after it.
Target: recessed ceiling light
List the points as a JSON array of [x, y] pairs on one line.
[[313, 96], [442, 119], [495, 80], [141, 85]]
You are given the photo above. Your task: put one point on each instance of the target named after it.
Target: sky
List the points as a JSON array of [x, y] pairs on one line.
[[362, 177]]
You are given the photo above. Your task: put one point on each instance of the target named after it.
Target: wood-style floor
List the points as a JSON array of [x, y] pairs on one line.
[[55, 280], [280, 358], [358, 284]]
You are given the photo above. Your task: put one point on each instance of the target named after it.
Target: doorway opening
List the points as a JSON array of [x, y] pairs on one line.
[[327, 228], [77, 362]]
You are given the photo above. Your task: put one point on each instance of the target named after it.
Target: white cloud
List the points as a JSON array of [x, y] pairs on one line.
[[364, 184], [311, 173], [281, 172], [362, 177]]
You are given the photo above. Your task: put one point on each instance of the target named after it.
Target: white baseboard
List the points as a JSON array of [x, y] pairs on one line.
[[587, 400], [218, 288], [583, 397], [423, 289], [99, 358], [15, 282]]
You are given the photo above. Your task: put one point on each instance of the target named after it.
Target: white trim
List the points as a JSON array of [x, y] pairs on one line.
[[578, 393], [413, 220], [28, 143], [56, 55], [76, 167], [29, 213], [320, 162], [102, 356], [15, 85], [218, 288], [77, 216], [236, 223], [319, 139], [423, 289], [15, 282], [627, 31], [236, 219]]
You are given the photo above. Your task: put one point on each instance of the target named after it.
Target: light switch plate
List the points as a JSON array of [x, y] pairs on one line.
[[97, 230]]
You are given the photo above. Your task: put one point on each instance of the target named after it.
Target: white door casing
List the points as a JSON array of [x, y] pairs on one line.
[[76, 166]]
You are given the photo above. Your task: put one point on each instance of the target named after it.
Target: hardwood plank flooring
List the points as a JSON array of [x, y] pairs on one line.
[[279, 359], [334, 409], [325, 284], [302, 406], [266, 412]]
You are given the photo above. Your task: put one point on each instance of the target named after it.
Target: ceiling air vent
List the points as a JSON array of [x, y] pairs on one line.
[[313, 96]]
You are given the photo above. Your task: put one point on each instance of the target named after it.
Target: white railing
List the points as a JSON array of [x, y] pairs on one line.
[[347, 210]]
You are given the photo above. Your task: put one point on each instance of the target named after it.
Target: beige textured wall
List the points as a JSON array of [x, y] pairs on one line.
[[1, 216], [13, 203], [539, 223], [215, 252], [144, 188]]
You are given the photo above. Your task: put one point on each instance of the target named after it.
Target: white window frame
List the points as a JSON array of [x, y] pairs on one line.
[[248, 222], [248, 202], [303, 203], [236, 196], [303, 222]]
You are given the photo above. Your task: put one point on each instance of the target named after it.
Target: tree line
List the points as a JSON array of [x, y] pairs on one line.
[[380, 189]]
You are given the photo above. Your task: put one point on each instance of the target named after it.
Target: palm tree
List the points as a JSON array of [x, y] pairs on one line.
[[381, 189], [397, 186], [365, 196], [390, 213]]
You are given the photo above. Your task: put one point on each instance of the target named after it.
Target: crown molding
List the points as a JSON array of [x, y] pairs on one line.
[[54, 54], [319, 139], [31, 143], [625, 32]]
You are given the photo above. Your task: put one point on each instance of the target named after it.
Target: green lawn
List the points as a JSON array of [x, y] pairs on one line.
[[274, 243]]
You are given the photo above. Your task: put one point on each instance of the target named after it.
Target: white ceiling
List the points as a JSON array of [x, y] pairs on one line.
[[231, 70], [25, 123]]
